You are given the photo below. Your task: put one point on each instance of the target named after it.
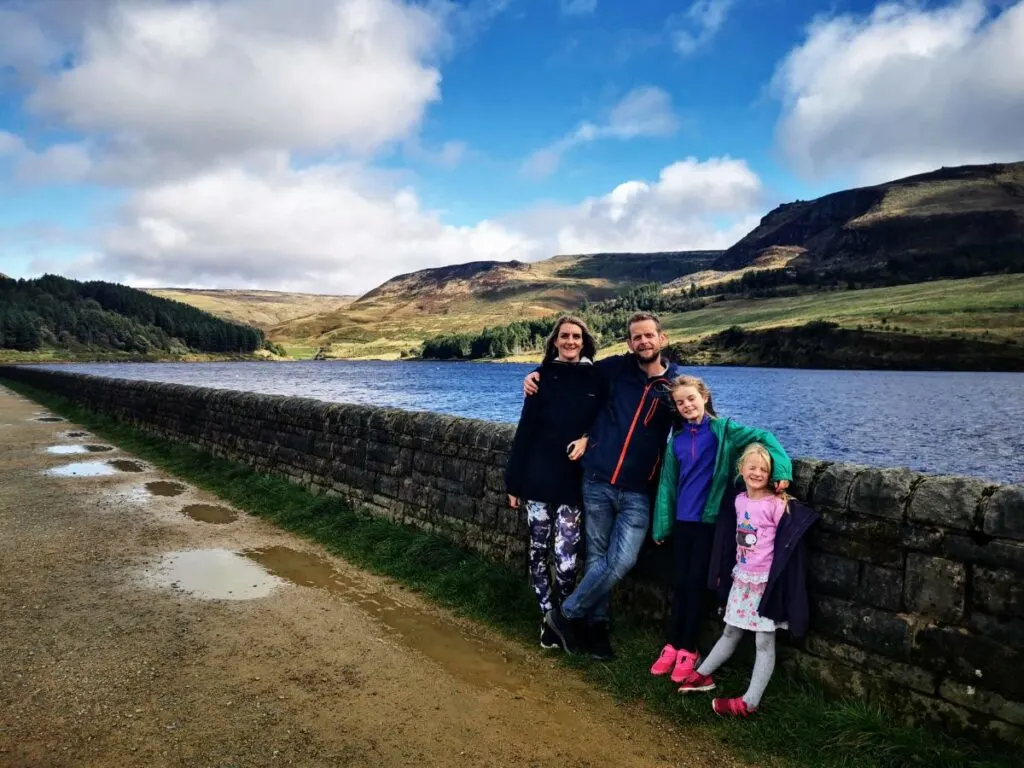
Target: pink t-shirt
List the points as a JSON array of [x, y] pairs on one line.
[[756, 523]]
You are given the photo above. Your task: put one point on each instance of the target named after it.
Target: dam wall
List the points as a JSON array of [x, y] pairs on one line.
[[917, 581]]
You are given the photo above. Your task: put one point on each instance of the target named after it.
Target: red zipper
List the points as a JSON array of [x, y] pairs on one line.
[[654, 471], [650, 412], [629, 435]]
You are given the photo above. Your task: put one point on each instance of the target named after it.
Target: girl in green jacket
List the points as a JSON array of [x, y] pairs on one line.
[[698, 464]]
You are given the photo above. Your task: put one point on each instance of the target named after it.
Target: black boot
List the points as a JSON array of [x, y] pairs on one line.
[[548, 638], [562, 628], [599, 646]]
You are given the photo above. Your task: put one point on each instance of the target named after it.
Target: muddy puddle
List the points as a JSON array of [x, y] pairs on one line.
[[75, 433], [96, 448], [82, 469], [49, 419], [213, 574], [210, 513], [165, 488], [127, 465], [465, 656], [65, 450]]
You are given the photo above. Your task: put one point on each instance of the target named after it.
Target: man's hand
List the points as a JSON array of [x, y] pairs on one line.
[[577, 448], [530, 383], [781, 486], [513, 501]]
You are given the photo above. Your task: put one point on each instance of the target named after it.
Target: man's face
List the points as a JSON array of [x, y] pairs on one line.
[[645, 340]]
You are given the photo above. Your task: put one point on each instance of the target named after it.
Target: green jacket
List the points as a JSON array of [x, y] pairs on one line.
[[732, 439]]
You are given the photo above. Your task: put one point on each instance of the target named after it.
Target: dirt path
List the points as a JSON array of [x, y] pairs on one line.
[[133, 634]]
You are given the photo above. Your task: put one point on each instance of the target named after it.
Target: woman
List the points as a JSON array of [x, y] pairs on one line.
[[543, 471]]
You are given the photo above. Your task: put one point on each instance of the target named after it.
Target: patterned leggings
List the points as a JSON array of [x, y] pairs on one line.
[[566, 550]]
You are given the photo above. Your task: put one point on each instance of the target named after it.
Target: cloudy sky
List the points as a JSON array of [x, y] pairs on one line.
[[326, 145]]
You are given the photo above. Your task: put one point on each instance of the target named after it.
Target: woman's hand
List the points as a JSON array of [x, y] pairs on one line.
[[513, 501], [781, 486], [530, 383], [577, 448]]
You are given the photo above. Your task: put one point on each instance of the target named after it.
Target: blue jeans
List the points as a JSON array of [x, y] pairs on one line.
[[615, 522]]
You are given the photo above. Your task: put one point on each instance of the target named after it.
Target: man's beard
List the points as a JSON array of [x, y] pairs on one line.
[[649, 356]]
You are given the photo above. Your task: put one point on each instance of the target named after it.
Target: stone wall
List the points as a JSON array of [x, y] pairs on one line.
[[916, 580]]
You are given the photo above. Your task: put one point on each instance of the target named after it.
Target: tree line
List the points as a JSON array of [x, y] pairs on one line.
[[58, 312]]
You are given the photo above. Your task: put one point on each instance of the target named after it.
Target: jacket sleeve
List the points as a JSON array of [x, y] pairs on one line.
[[723, 552], [741, 436], [525, 432], [665, 501], [799, 603]]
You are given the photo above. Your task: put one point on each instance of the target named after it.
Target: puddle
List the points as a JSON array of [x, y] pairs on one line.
[[210, 513], [75, 433], [213, 574], [49, 419], [127, 465], [65, 450], [466, 657], [82, 469], [165, 488], [94, 448]]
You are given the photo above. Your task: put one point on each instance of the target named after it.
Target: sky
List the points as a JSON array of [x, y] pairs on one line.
[[328, 145]]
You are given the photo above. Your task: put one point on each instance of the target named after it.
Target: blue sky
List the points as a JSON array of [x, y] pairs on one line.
[[237, 143]]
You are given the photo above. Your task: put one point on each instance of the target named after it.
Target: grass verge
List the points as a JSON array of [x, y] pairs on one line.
[[799, 726]]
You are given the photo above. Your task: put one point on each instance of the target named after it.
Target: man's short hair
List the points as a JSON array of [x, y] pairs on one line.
[[640, 317]]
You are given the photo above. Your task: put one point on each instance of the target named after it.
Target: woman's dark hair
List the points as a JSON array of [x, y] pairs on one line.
[[589, 344]]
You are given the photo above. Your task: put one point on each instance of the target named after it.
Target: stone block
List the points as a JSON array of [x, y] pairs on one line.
[[879, 631], [994, 553], [998, 628], [882, 492], [902, 675], [936, 712], [971, 659], [804, 471], [878, 548], [919, 538], [459, 507], [474, 479], [832, 488], [1004, 513], [1000, 592], [980, 700], [833, 574], [881, 587], [935, 586], [952, 502]]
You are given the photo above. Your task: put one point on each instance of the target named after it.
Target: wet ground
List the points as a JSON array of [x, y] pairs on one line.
[[147, 623]]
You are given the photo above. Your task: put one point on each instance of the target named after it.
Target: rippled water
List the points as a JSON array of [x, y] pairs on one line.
[[956, 423]]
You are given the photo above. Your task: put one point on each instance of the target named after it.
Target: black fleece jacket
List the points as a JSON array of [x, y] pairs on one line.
[[569, 397]]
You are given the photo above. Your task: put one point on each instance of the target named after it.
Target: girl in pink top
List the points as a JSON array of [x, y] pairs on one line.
[[758, 513]]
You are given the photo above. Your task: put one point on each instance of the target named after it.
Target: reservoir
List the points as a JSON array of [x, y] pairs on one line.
[[936, 422]]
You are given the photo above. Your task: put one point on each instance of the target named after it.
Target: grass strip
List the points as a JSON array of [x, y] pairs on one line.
[[799, 725]]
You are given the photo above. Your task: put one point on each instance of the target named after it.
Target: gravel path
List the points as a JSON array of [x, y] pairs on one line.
[[132, 634]]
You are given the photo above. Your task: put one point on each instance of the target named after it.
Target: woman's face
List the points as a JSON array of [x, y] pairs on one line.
[[569, 342]]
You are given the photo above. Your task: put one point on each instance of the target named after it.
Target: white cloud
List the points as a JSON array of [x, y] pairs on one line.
[[203, 80], [904, 89], [577, 7], [696, 27], [342, 229], [644, 111]]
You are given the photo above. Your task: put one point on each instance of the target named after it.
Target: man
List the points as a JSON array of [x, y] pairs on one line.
[[621, 462]]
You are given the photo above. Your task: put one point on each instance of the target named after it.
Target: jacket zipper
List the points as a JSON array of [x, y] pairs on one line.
[[650, 411], [629, 435], [654, 471]]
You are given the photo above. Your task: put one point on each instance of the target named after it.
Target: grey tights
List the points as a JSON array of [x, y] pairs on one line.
[[764, 661]]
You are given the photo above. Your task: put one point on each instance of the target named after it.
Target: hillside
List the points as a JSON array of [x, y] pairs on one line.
[[951, 222], [400, 313], [53, 316], [260, 309]]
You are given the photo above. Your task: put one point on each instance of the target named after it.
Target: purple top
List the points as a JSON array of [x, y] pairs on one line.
[[696, 448]]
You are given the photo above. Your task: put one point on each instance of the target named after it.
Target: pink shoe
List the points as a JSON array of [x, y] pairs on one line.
[[695, 681], [665, 662], [732, 708], [686, 662]]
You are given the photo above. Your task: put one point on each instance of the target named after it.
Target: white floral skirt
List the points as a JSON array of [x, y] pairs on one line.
[[744, 601]]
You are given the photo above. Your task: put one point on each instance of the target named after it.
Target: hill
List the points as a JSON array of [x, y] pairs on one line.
[[953, 222], [98, 318], [260, 309], [398, 314]]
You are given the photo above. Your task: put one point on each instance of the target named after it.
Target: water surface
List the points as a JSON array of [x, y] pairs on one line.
[[955, 423]]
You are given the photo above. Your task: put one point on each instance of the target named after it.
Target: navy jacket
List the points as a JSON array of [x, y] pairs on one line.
[[568, 400], [629, 434], [785, 595]]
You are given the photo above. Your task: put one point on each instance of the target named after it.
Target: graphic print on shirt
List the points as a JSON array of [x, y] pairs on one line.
[[746, 539]]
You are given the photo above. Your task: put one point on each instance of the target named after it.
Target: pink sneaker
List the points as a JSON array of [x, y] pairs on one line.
[[695, 681], [732, 708], [665, 662], [686, 662]]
